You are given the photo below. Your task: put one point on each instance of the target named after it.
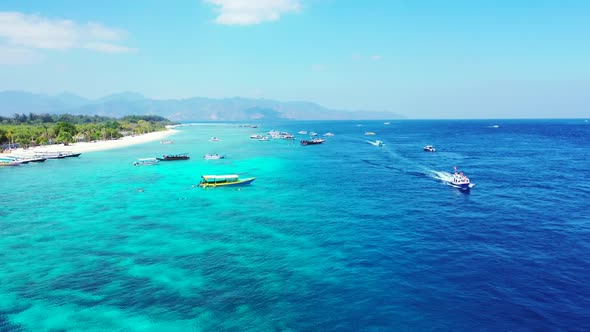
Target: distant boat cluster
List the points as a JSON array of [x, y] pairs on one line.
[[37, 157]]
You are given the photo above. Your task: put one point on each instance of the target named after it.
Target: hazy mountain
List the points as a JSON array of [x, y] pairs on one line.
[[71, 100], [191, 109]]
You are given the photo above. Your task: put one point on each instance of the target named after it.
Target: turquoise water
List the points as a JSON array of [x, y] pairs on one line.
[[342, 236]]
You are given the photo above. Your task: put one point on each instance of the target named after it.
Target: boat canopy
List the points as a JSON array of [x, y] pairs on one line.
[[219, 177]]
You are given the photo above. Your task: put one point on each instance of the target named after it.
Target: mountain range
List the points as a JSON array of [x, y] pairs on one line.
[[189, 109]]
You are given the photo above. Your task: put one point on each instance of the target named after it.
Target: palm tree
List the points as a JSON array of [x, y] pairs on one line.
[[10, 136]]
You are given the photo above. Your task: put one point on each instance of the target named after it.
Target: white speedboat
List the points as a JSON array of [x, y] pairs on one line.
[[311, 133], [328, 134], [429, 148], [376, 143], [302, 132], [370, 133], [215, 139], [213, 156], [256, 136], [146, 162], [263, 138]]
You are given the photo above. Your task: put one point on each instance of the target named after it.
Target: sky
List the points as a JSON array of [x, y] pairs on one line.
[[419, 58]]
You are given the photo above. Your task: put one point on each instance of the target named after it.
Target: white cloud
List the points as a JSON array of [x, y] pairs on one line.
[[247, 12], [33, 31], [17, 56], [109, 48]]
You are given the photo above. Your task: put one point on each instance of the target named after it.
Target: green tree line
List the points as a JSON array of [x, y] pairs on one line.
[[39, 129]]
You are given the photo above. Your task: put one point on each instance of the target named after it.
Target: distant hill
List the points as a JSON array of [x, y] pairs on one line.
[[191, 109]]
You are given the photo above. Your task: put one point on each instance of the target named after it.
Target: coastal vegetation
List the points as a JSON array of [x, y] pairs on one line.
[[39, 129]]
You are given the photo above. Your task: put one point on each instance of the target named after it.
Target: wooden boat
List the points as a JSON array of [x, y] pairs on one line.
[[223, 180], [172, 157]]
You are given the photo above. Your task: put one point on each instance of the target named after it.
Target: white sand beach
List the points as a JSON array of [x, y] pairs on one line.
[[84, 147]]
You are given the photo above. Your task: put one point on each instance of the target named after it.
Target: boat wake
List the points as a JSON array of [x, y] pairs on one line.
[[441, 176]]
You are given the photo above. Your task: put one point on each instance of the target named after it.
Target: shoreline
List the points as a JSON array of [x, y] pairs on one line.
[[84, 147]]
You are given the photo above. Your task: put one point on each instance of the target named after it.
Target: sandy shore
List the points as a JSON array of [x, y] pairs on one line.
[[84, 147]]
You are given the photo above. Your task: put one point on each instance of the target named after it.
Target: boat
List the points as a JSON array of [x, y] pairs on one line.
[[314, 141], [280, 134], [302, 132], [26, 159], [50, 155], [461, 181], [68, 154], [215, 139], [328, 134], [213, 156], [429, 148], [386, 123], [223, 180], [172, 157], [377, 143], [7, 161], [263, 138], [166, 141], [311, 133], [370, 133], [146, 162], [256, 136]]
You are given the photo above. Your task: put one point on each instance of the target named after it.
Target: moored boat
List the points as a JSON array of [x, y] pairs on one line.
[[213, 156], [172, 157], [314, 141], [280, 134], [223, 180], [69, 154], [6, 161], [146, 162]]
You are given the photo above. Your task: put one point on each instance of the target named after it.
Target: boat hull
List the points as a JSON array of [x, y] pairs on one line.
[[463, 186], [172, 158], [227, 184]]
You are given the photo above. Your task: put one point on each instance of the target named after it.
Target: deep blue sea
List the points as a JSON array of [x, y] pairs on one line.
[[342, 236]]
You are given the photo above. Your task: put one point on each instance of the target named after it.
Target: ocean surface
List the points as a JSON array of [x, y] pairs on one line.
[[343, 236]]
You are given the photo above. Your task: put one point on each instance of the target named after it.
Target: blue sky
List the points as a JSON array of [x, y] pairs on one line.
[[423, 59]]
